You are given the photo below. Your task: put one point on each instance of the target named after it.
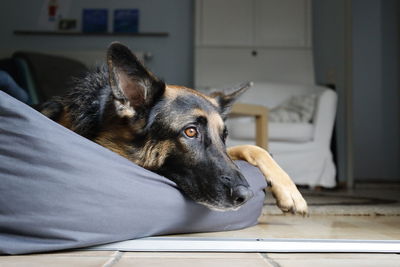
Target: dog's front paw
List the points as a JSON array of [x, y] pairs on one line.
[[289, 199]]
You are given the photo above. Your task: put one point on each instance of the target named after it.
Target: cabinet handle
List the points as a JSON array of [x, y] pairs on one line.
[[254, 53]]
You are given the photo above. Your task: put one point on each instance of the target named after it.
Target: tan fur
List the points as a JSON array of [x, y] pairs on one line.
[[172, 91], [65, 120], [199, 112], [115, 139], [284, 190], [109, 142], [124, 110], [216, 125], [154, 155], [151, 156]]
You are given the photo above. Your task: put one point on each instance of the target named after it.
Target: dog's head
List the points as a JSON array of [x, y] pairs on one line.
[[174, 131]]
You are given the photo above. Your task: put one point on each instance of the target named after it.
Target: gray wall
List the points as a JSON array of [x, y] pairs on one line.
[[376, 88], [173, 55], [329, 60], [375, 72], [391, 84]]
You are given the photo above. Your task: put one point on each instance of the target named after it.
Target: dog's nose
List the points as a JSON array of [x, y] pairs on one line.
[[241, 194]]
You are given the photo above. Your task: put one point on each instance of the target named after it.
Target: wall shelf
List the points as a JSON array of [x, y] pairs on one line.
[[104, 34]]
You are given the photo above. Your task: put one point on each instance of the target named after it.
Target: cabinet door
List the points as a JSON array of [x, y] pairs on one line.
[[217, 66], [281, 23], [226, 22]]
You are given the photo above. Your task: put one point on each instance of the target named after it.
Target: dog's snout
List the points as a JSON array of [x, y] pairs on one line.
[[237, 190], [226, 180], [241, 194]]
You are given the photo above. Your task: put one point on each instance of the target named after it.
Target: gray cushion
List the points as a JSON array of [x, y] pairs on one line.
[[60, 190]]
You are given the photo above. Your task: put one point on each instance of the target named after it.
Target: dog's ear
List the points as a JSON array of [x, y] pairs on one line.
[[226, 101], [134, 88]]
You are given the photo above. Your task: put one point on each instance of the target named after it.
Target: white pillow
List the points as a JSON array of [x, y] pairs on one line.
[[298, 108]]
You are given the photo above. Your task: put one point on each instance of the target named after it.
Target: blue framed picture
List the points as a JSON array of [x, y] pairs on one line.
[[126, 20], [94, 20]]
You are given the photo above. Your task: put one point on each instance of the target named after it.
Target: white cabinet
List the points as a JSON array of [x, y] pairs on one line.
[[281, 23], [253, 23], [252, 40], [218, 67], [226, 22]]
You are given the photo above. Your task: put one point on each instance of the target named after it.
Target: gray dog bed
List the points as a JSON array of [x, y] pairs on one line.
[[59, 190]]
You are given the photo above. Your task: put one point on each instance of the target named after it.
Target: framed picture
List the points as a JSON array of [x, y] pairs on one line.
[[126, 20], [94, 20]]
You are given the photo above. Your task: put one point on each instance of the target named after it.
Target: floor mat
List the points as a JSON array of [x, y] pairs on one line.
[[362, 202]]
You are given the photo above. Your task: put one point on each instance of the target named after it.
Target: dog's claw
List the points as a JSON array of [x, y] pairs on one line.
[[289, 200]]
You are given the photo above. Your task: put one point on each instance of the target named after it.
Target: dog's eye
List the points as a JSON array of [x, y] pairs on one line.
[[191, 132]]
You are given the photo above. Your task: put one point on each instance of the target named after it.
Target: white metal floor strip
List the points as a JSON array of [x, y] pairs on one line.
[[190, 244]]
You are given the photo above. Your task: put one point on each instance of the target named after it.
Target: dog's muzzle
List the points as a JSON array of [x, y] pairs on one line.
[[241, 194]]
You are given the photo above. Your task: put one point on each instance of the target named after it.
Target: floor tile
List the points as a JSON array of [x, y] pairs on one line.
[[44, 260], [79, 253], [192, 262], [257, 230], [331, 259], [325, 227], [350, 256], [189, 255]]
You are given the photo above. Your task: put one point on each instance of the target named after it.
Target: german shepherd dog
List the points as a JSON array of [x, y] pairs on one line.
[[172, 130]]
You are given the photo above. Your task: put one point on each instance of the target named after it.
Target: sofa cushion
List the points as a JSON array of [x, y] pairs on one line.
[[244, 129], [299, 108], [290, 132], [272, 95]]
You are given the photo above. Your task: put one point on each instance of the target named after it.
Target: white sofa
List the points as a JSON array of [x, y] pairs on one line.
[[301, 148]]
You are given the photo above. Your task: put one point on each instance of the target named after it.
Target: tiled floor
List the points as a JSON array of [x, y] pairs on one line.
[[120, 259], [357, 227], [332, 227], [203, 259]]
